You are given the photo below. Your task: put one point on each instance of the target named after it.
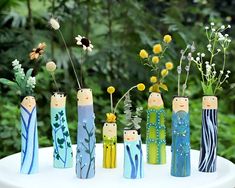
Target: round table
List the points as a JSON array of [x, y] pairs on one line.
[[155, 175]]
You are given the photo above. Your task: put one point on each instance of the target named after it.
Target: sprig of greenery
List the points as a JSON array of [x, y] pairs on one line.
[[132, 121], [217, 43], [23, 83]]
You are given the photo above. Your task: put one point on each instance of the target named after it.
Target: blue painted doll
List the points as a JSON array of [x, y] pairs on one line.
[[85, 160], [63, 154], [180, 147], [133, 155], [29, 136]]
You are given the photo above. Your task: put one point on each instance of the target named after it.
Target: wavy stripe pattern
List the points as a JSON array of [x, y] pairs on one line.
[[208, 150], [29, 141]]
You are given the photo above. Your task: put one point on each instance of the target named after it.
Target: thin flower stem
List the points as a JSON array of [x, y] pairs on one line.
[[71, 61], [111, 101], [122, 98], [186, 79], [179, 74], [53, 76]]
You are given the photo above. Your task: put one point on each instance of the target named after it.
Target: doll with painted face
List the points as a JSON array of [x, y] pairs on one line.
[[133, 155], [29, 136], [208, 150], [109, 144], [85, 160], [63, 154], [156, 130], [180, 147]]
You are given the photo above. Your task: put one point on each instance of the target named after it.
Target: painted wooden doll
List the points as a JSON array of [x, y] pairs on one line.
[[156, 130], [63, 154], [29, 136], [180, 147], [133, 155], [208, 150], [109, 145], [85, 160]]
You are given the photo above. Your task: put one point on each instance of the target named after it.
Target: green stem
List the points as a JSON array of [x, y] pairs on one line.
[[122, 98], [71, 61], [53, 76]]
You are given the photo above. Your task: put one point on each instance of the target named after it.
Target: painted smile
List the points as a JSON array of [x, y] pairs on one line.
[[181, 105]]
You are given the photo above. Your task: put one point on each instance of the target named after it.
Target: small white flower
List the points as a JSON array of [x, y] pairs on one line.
[[84, 43], [31, 82], [15, 62], [229, 26], [207, 62], [229, 40], [203, 55], [54, 24], [221, 72], [226, 75], [206, 27], [209, 46], [228, 71], [198, 53], [50, 66], [192, 58], [213, 29], [222, 27], [214, 72], [212, 23], [198, 59], [226, 35], [218, 50], [179, 69], [213, 65]]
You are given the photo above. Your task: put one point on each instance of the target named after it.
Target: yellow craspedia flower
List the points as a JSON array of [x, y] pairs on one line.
[[110, 118], [143, 54], [157, 48], [151, 89], [164, 72], [167, 38], [169, 65], [155, 59], [110, 89], [153, 79], [141, 87]]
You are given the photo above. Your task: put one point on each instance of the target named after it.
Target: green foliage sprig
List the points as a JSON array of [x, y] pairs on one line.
[[23, 83], [218, 43], [133, 121]]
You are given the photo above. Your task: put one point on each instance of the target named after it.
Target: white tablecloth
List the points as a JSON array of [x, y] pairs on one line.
[[157, 176]]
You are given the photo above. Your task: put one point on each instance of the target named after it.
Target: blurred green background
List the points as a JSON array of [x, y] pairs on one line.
[[118, 30]]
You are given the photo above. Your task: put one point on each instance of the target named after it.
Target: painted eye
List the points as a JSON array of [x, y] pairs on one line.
[[213, 98], [124, 132], [26, 98], [114, 125], [133, 132], [176, 99], [185, 99]]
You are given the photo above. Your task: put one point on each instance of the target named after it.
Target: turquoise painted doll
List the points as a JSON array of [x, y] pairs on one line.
[[133, 155], [180, 147], [156, 130], [85, 160], [63, 154], [29, 136]]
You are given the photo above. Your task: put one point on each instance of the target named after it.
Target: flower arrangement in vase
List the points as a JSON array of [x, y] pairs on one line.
[[24, 84], [156, 130], [110, 129], [180, 147], [85, 159], [211, 81], [62, 152]]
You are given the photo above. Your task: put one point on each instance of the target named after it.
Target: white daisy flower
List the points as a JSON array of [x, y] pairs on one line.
[[222, 27], [203, 55], [229, 26], [206, 27], [84, 43], [15, 63], [212, 23], [54, 24]]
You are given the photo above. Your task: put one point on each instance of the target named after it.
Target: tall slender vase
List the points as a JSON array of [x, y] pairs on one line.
[[156, 130], [29, 136], [180, 147], [133, 155], [63, 154], [85, 160], [109, 145], [208, 149]]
